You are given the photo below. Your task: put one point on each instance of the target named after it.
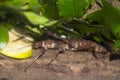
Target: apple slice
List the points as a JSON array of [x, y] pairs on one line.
[[19, 49]]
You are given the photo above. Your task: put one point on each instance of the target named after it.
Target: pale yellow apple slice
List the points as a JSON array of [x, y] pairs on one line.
[[19, 49]]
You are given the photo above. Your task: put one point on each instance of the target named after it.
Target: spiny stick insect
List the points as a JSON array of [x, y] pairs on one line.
[[68, 44]]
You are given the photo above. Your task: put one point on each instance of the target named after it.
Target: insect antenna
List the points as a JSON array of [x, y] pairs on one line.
[[21, 37], [26, 36], [25, 46]]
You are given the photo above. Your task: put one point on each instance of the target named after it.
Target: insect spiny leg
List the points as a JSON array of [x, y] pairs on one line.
[[60, 51], [35, 59], [53, 59]]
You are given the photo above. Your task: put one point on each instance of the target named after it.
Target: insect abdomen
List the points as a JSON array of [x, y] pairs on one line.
[[82, 44]]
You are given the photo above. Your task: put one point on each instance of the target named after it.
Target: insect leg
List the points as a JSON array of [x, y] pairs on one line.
[[60, 51], [95, 55], [101, 55], [35, 59], [92, 49]]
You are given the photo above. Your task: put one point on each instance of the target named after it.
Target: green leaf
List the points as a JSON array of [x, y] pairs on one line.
[[116, 45], [73, 8], [5, 0], [36, 19], [18, 14], [34, 5], [108, 16], [50, 23], [84, 29], [15, 3], [50, 9], [112, 17], [96, 16], [4, 37], [97, 39]]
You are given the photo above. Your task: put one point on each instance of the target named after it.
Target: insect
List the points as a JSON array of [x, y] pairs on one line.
[[69, 44]]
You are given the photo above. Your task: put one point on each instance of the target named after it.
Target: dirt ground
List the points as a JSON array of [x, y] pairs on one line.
[[67, 66]]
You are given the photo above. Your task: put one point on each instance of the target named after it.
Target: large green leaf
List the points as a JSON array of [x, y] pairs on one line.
[[35, 18], [4, 37], [73, 8], [49, 9], [14, 3], [112, 17], [5, 0], [18, 14]]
